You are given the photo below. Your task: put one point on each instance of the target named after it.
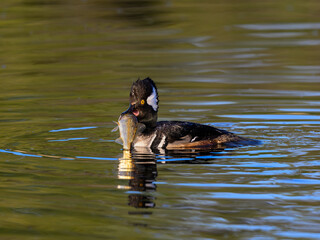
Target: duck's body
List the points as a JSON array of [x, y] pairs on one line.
[[177, 134], [173, 134]]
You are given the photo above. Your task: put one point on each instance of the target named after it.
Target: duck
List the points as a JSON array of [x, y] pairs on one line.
[[144, 105]]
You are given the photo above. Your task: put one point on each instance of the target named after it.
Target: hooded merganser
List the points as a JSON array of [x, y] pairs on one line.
[[173, 134]]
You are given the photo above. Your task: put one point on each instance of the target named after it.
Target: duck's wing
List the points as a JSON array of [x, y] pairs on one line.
[[193, 135]]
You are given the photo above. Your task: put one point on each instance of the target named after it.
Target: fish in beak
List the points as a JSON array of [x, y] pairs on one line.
[[128, 126]]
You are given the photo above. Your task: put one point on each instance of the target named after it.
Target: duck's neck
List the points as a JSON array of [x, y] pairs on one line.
[[151, 123]]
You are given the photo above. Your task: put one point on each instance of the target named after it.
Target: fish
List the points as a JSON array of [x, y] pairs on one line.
[[128, 126]]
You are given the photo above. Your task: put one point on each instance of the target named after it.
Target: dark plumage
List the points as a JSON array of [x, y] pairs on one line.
[[173, 134]]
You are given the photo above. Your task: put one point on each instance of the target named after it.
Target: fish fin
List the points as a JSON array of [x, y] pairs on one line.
[[141, 127], [116, 128], [119, 140]]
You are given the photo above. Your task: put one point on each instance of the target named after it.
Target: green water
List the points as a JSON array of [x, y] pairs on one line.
[[250, 67]]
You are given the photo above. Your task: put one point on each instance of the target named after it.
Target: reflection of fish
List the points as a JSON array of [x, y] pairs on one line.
[[126, 168], [128, 126]]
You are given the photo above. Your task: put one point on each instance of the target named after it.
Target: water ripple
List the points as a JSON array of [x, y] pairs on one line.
[[67, 139], [245, 156], [280, 26], [225, 185], [263, 196], [255, 165], [277, 34], [96, 158], [299, 109], [296, 234], [272, 116], [242, 227], [263, 173], [285, 123], [203, 103], [71, 129], [19, 153], [301, 181]]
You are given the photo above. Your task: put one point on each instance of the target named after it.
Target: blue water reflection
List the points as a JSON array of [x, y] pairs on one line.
[[72, 129]]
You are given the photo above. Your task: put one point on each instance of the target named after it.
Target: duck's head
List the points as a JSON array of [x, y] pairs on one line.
[[144, 102]]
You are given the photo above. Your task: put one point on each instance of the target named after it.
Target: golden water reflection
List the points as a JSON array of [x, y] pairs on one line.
[[141, 173]]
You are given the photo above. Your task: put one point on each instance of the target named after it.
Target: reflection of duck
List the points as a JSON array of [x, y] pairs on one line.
[[173, 134], [140, 167], [141, 171]]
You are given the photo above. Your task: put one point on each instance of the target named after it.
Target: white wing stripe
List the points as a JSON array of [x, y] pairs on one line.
[[162, 142]]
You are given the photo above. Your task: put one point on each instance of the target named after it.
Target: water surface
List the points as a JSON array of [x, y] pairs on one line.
[[66, 68]]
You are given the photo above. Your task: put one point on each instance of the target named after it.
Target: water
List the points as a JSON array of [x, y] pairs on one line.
[[66, 68]]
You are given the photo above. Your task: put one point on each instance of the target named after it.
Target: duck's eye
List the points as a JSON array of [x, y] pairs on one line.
[[142, 102]]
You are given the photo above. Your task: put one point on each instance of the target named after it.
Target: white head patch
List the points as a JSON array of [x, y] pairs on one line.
[[152, 100]]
